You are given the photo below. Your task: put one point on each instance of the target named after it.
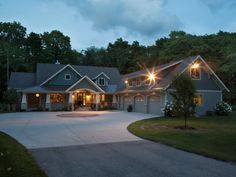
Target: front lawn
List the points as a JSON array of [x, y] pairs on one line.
[[15, 160], [213, 136]]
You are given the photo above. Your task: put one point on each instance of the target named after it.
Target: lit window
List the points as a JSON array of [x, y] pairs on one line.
[[198, 100], [102, 97], [101, 81], [195, 72], [57, 98], [67, 77]]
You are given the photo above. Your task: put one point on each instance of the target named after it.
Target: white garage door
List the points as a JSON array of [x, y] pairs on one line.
[[127, 102], [154, 105], [139, 104]]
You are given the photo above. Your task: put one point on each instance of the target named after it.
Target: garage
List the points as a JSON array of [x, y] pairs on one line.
[[154, 105], [127, 102], [139, 104]]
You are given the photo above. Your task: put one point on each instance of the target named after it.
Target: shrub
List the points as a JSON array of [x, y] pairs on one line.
[[4, 107], [169, 109], [130, 108], [223, 108]]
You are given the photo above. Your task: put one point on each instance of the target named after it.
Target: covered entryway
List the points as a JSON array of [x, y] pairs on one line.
[[154, 104], [139, 104], [127, 102]]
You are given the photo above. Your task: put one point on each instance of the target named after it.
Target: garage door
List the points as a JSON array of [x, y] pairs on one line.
[[154, 105], [127, 102], [139, 104]]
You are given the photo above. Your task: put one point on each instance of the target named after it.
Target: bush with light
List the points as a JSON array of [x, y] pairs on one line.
[[223, 108]]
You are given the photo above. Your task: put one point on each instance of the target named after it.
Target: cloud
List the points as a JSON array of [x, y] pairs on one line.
[[142, 17], [217, 5]]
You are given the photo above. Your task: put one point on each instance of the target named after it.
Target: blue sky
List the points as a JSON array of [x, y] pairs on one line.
[[97, 22]]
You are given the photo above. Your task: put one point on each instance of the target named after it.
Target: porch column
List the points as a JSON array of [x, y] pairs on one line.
[[97, 101], [48, 102], [24, 102], [71, 102], [114, 101]]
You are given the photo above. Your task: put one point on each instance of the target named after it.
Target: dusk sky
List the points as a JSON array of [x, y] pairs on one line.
[[97, 22]]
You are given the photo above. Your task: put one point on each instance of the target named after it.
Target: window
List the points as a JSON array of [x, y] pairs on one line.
[[57, 98], [134, 83], [67, 77], [198, 100], [195, 73], [101, 81], [147, 82], [138, 82], [130, 83]]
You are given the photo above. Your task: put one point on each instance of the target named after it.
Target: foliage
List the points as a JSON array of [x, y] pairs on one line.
[[10, 96], [183, 96], [223, 109], [3, 107], [168, 109], [15, 160], [130, 108]]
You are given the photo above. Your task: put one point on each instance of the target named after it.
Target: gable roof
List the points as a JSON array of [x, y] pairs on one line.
[[102, 73], [82, 79], [56, 73]]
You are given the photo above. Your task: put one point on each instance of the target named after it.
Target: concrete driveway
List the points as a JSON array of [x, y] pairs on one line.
[[101, 146], [46, 129]]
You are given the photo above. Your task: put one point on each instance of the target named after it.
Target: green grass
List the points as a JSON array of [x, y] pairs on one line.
[[15, 160], [214, 137]]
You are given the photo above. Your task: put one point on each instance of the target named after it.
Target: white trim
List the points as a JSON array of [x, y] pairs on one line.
[[67, 75], [101, 74], [157, 70], [85, 77], [199, 57], [218, 91], [214, 73], [59, 72]]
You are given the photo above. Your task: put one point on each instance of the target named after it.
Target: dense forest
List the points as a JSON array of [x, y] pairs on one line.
[[22, 51]]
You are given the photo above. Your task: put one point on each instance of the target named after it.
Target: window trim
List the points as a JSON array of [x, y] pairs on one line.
[[102, 78], [200, 73], [66, 76], [202, 95]]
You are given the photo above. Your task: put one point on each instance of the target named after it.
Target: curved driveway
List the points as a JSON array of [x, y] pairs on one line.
[[102, 147], [46, 129]]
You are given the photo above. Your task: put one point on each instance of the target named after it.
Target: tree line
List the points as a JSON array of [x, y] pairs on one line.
[[23, 51]]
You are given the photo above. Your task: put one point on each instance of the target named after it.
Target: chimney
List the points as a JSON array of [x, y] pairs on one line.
[[57, 62]]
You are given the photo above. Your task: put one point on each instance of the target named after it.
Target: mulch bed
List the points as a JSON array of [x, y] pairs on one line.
[[77, 115]]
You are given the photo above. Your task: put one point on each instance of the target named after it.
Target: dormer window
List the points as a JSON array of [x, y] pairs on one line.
[[101, 81], [195, 72], [130, 83], [67, 76]]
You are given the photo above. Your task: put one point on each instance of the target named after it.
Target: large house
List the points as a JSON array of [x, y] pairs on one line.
[[73, 87]]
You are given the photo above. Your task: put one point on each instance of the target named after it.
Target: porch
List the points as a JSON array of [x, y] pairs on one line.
[[79, 100]]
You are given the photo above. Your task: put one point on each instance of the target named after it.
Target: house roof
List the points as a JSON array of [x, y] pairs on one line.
[[21, 80], [30, 82]]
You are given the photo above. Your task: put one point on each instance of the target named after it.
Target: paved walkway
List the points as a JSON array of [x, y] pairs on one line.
[[46, 129]]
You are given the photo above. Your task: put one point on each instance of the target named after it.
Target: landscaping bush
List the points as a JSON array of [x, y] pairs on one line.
[[104, 108], [3, 107], [169, 109], [223, 108], [130, 108]]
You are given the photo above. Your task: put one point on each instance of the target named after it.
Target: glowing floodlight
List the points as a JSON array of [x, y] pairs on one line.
[[195, 66], [151, 77]]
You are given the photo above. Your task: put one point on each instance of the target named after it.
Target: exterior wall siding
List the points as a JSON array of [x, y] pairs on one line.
[[60, 78], [85, 84], [210, 99]]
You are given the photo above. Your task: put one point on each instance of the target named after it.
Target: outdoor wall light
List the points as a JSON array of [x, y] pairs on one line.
[[151, 77], [37, 95], [126, 82], [195, 65]]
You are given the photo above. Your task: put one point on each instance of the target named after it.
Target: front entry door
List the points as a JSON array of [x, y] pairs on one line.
[[81, 99]]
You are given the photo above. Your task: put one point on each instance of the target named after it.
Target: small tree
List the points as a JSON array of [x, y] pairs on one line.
[[10, 97], [183, 95]]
